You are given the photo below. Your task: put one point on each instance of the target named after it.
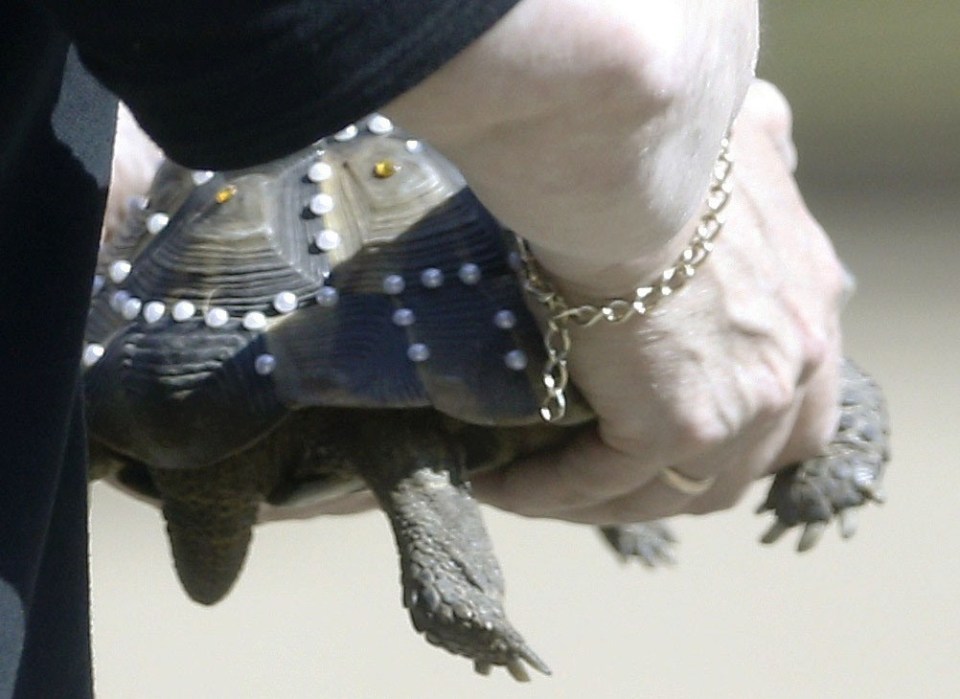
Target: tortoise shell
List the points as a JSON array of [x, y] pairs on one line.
[[360, 273]]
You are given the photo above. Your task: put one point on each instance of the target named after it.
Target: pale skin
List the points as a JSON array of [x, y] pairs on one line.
[[733, 377], [590, 127]]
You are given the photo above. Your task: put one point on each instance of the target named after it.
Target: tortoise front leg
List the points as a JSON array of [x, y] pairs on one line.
[[845, 477], [452, 584]]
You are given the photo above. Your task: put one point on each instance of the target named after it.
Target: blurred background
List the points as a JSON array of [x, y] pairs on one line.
[[317, 612]]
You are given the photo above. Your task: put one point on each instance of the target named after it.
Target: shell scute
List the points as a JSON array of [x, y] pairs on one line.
[[177, 397], [241, 308]]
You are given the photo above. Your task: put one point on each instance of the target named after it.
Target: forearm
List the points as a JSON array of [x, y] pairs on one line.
[[590, 126]]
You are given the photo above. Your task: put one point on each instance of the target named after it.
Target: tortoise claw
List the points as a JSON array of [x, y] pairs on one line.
[[849, 521], [874, 492], [773, 534], [518, 671], [482, 668], [812, 533]]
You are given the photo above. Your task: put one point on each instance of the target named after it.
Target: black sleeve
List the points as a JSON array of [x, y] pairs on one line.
[[222, 84]]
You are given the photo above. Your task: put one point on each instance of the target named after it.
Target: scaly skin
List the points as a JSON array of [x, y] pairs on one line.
[[210, 513], [848, 474], [452, 582]]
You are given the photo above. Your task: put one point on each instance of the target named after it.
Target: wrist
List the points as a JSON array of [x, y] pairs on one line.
[[580, 280], [592, 139], [563, 313]]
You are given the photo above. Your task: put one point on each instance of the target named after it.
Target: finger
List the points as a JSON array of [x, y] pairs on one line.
[[135, 161], [739, 477], [818, 407], [654, 500], [767, 104], [817, 417], [735, 465], [349, 504], [582, 474]]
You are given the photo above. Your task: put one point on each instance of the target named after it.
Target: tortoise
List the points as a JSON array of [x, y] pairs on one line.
[[350, 318]]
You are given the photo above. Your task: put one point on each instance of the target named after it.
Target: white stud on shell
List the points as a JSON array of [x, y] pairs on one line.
[[182, 311], [505, 319], [119, 271], [319, 172], [327, 296], [321, 204], [431, 278], [327, 240], [516, 360], [393, 284], [285, 302], [131, 308], [216, 317], [418, 352], [92, 354], [403, 317], [154, 311], [157, 222], [380, 125], [254, 320], [118, 299], [201, 177], [469, 273], [346, 134], [138, 202], [98, 281], [265, 364]]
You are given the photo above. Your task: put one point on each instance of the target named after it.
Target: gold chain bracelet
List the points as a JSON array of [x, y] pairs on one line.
[[561, 315]]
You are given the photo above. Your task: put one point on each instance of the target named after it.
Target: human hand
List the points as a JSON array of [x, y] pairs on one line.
[[135, 161], [732, 377]]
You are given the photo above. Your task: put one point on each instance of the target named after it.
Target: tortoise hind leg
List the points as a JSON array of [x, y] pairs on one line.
[[452, 583], [210, 513]]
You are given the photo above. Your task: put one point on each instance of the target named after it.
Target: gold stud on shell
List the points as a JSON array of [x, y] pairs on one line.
[[226, 194], [385, 168]]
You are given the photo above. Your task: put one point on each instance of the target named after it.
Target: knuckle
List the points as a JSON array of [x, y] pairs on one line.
[[702, 427], [817, 343], [815, 434], [816, 348], [771, 108], [774, 390], [836, 280]]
